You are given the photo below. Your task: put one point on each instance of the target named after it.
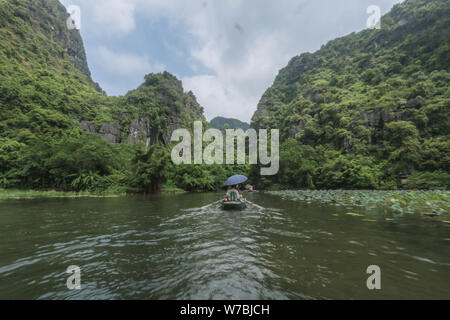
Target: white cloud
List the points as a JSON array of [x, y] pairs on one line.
[[223, 99], [114, 15], [123, 64], [108, 17], [244, 43], [241, 43]]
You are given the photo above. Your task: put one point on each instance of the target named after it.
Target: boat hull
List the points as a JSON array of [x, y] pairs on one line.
[[233, 205]]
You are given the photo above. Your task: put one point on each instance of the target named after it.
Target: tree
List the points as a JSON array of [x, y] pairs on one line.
[[150, 168]]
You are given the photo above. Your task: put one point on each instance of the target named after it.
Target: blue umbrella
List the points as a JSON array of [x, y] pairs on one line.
[[237, 179]]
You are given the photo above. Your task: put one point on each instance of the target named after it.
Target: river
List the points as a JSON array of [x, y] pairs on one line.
[[165, 247]]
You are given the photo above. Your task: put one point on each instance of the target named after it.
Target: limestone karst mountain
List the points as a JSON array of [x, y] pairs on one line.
[[368, 110]]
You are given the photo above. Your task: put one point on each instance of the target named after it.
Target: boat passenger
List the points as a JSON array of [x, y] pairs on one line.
[[233, 194], [227, 195]]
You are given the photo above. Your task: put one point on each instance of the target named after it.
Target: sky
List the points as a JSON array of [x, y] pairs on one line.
[[227, 52]]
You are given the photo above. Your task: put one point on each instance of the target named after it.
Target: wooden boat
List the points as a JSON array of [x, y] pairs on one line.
[[234, 205]]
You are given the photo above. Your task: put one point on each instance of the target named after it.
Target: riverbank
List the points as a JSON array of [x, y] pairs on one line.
[[13, 194], [32, 194]]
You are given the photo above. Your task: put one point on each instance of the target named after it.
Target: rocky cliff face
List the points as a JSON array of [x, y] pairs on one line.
[[46, 82], [368, 110], [50, 17], [370, 79], [151, 112]]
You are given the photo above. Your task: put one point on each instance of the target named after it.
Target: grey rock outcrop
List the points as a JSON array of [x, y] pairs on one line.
[[174, 124], [87, 126], [51, 13], [378, 117], [110, 133], [293, 131], [140, 130], [160, 108]]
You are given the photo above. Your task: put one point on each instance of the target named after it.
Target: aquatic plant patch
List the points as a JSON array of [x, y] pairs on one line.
[[427, 203]]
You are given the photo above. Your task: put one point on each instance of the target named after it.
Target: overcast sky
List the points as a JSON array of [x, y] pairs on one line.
[[227, 52]]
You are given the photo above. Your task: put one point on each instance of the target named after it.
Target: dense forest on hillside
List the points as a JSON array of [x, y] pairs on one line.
[[369, 110]]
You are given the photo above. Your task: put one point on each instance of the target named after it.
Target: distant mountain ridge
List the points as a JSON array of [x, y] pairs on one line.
[[220, 122]]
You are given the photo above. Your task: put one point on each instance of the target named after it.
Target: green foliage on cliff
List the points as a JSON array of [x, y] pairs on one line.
[[45, 90], [46, 93], [369, 110], [42, 92]]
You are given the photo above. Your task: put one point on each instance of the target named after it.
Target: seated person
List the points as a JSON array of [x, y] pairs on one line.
[[227, 195], [233, 194]]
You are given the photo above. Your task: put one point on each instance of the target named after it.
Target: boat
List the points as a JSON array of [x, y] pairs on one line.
[[234, 200], [234, 205]]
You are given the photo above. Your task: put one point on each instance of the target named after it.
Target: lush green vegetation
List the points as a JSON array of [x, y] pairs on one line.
[[367, 111], [370, 110], [227, 123], [45, 94], [33, 194]]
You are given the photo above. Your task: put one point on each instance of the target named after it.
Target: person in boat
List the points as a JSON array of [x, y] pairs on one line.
[[239, 193], [233, 194], [227, 195]]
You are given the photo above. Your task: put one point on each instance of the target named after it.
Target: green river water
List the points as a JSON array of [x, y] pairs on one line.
[[165, 247]]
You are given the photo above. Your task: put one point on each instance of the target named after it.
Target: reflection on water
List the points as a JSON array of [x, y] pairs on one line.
[[165, 247]]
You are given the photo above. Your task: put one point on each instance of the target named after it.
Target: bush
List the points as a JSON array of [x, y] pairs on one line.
[[429, 180]]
